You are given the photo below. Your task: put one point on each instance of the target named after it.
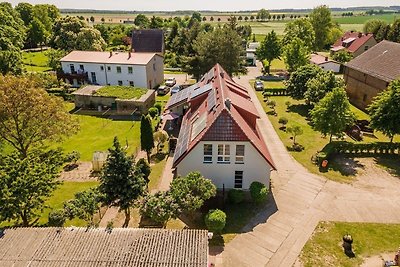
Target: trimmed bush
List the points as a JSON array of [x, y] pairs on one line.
[[258, 192], [57, 218], [153, 112], [235, 196], [215, 220], [158, 106]]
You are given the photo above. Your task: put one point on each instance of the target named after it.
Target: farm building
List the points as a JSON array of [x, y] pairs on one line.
[[251, 57], [355, 43], [219, 136], [101, 247], [371, 72], [144, 70], [121, 100], [325, 63]]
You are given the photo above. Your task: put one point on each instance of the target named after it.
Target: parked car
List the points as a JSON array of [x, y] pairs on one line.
[[162, 90], [175, 89], [258, 85], [170, 82]]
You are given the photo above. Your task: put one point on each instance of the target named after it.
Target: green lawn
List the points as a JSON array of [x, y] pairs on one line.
[[389, 18], [122, 92], [35, 61], [97, 134], [272, 84], [311, 140], [324, 247]]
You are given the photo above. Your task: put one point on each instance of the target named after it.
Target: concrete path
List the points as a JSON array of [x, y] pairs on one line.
[[299, 201], [167, 175]]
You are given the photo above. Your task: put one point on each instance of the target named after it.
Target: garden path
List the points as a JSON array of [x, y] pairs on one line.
[[301, 199]]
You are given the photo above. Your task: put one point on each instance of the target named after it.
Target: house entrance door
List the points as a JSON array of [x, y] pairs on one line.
[[94, 79]]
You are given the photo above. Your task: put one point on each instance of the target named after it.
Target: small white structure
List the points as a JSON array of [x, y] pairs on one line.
[[251, 53], [145, 70], [219, 136], [99, 159], [325, 63]]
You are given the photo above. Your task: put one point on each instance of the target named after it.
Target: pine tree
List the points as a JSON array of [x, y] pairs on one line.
[[146, 135], [120, 183]]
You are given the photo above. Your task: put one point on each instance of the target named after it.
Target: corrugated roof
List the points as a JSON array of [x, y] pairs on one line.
[[231, 116], [109, 57], [97, 247], [381, 61]]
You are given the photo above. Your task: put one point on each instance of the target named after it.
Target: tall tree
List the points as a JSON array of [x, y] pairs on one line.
[[299, 28], [321, 20], [37, 33], [374, 25], [263, 14], [296, 54], [26, 183], [332, 115], [269, 49], [142, 21], [394, 32], [146, 135], [65, 32], [297, 84], [384, 111], [26, 12], [223, 45], [320, 85], [120, 183], [29, 116], [90, 39]]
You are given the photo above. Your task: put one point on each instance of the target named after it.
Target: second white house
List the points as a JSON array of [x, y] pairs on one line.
[[145, 70]]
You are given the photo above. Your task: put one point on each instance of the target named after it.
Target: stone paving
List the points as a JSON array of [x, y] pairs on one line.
[[299, 201]]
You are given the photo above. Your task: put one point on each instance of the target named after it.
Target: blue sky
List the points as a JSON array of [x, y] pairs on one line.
[[220, 5]]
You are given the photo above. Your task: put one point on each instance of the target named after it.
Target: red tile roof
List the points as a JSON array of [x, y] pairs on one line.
[[356, 40], [230, 116]]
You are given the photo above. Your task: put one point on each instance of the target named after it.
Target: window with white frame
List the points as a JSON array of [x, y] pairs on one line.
[[119, 69], [224, 153], [238, 179], [207, 148], [130, 70], [239, 154]]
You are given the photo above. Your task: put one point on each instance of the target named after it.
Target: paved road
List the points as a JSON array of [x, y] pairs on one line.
[[299, 201]]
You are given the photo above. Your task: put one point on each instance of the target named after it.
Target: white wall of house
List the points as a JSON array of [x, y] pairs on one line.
[[254, 167], [143, 76], [329, 65]]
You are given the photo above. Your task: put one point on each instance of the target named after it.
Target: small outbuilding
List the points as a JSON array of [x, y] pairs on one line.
[[325, 63]]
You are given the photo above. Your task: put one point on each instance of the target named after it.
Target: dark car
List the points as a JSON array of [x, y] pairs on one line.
[[175, 89], [163, 90], [258, 85]]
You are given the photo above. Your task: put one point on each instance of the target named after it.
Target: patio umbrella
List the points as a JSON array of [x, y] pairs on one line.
[[170, 116]]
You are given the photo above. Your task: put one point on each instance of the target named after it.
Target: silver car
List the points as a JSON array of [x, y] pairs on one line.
[[258, 85], [170, 82]]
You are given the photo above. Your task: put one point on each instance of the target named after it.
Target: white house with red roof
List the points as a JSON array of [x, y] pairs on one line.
[[355, 43], [145, 70], [219, 136]]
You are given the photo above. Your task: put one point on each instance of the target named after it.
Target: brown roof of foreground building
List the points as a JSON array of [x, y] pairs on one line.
[[219, 110], [150, 40], [352, 41], [98, 247], [109, 57], [381, 61]]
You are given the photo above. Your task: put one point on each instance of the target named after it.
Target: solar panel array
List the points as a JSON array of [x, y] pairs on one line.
[[183, 141], [182, 95], [201, 90], [211, 100], [198, 126]]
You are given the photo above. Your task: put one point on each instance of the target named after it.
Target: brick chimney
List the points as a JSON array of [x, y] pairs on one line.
[[228, 103], [110, 53], [129, 55], [360, 34], [326, 58]]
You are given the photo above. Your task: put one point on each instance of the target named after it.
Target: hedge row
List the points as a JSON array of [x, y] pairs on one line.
[[348, 148], [275, 92]]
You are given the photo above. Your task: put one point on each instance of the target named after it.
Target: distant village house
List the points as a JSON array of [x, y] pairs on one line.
[[355, 43]]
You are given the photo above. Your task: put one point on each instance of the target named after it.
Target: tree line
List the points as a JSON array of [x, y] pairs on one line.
[[383, 30]]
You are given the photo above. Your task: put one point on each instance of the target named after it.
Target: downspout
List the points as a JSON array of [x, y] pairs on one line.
[[105, 70]]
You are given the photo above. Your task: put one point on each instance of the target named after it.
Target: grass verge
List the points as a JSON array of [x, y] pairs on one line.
[[324, 248]]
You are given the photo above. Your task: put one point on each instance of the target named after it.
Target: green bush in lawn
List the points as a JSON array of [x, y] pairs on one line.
[[236, 196], [158, 106], [153, 112], [215, 220], [57, 218], [258, 192]]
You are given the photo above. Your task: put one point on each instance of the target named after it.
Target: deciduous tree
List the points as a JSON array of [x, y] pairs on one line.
[[332, 115], [296, 54], [385, 112], [320, 85], [142, 21], [29, 116], [263, 14], [160, 207], [26, 183], [269, 49], [121, 185], [394, 32], [342, 56], [321, 20], [84, 206], [302, 29], [297, 84]]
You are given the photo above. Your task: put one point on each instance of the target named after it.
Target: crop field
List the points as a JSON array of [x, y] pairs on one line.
[[389, 18]]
